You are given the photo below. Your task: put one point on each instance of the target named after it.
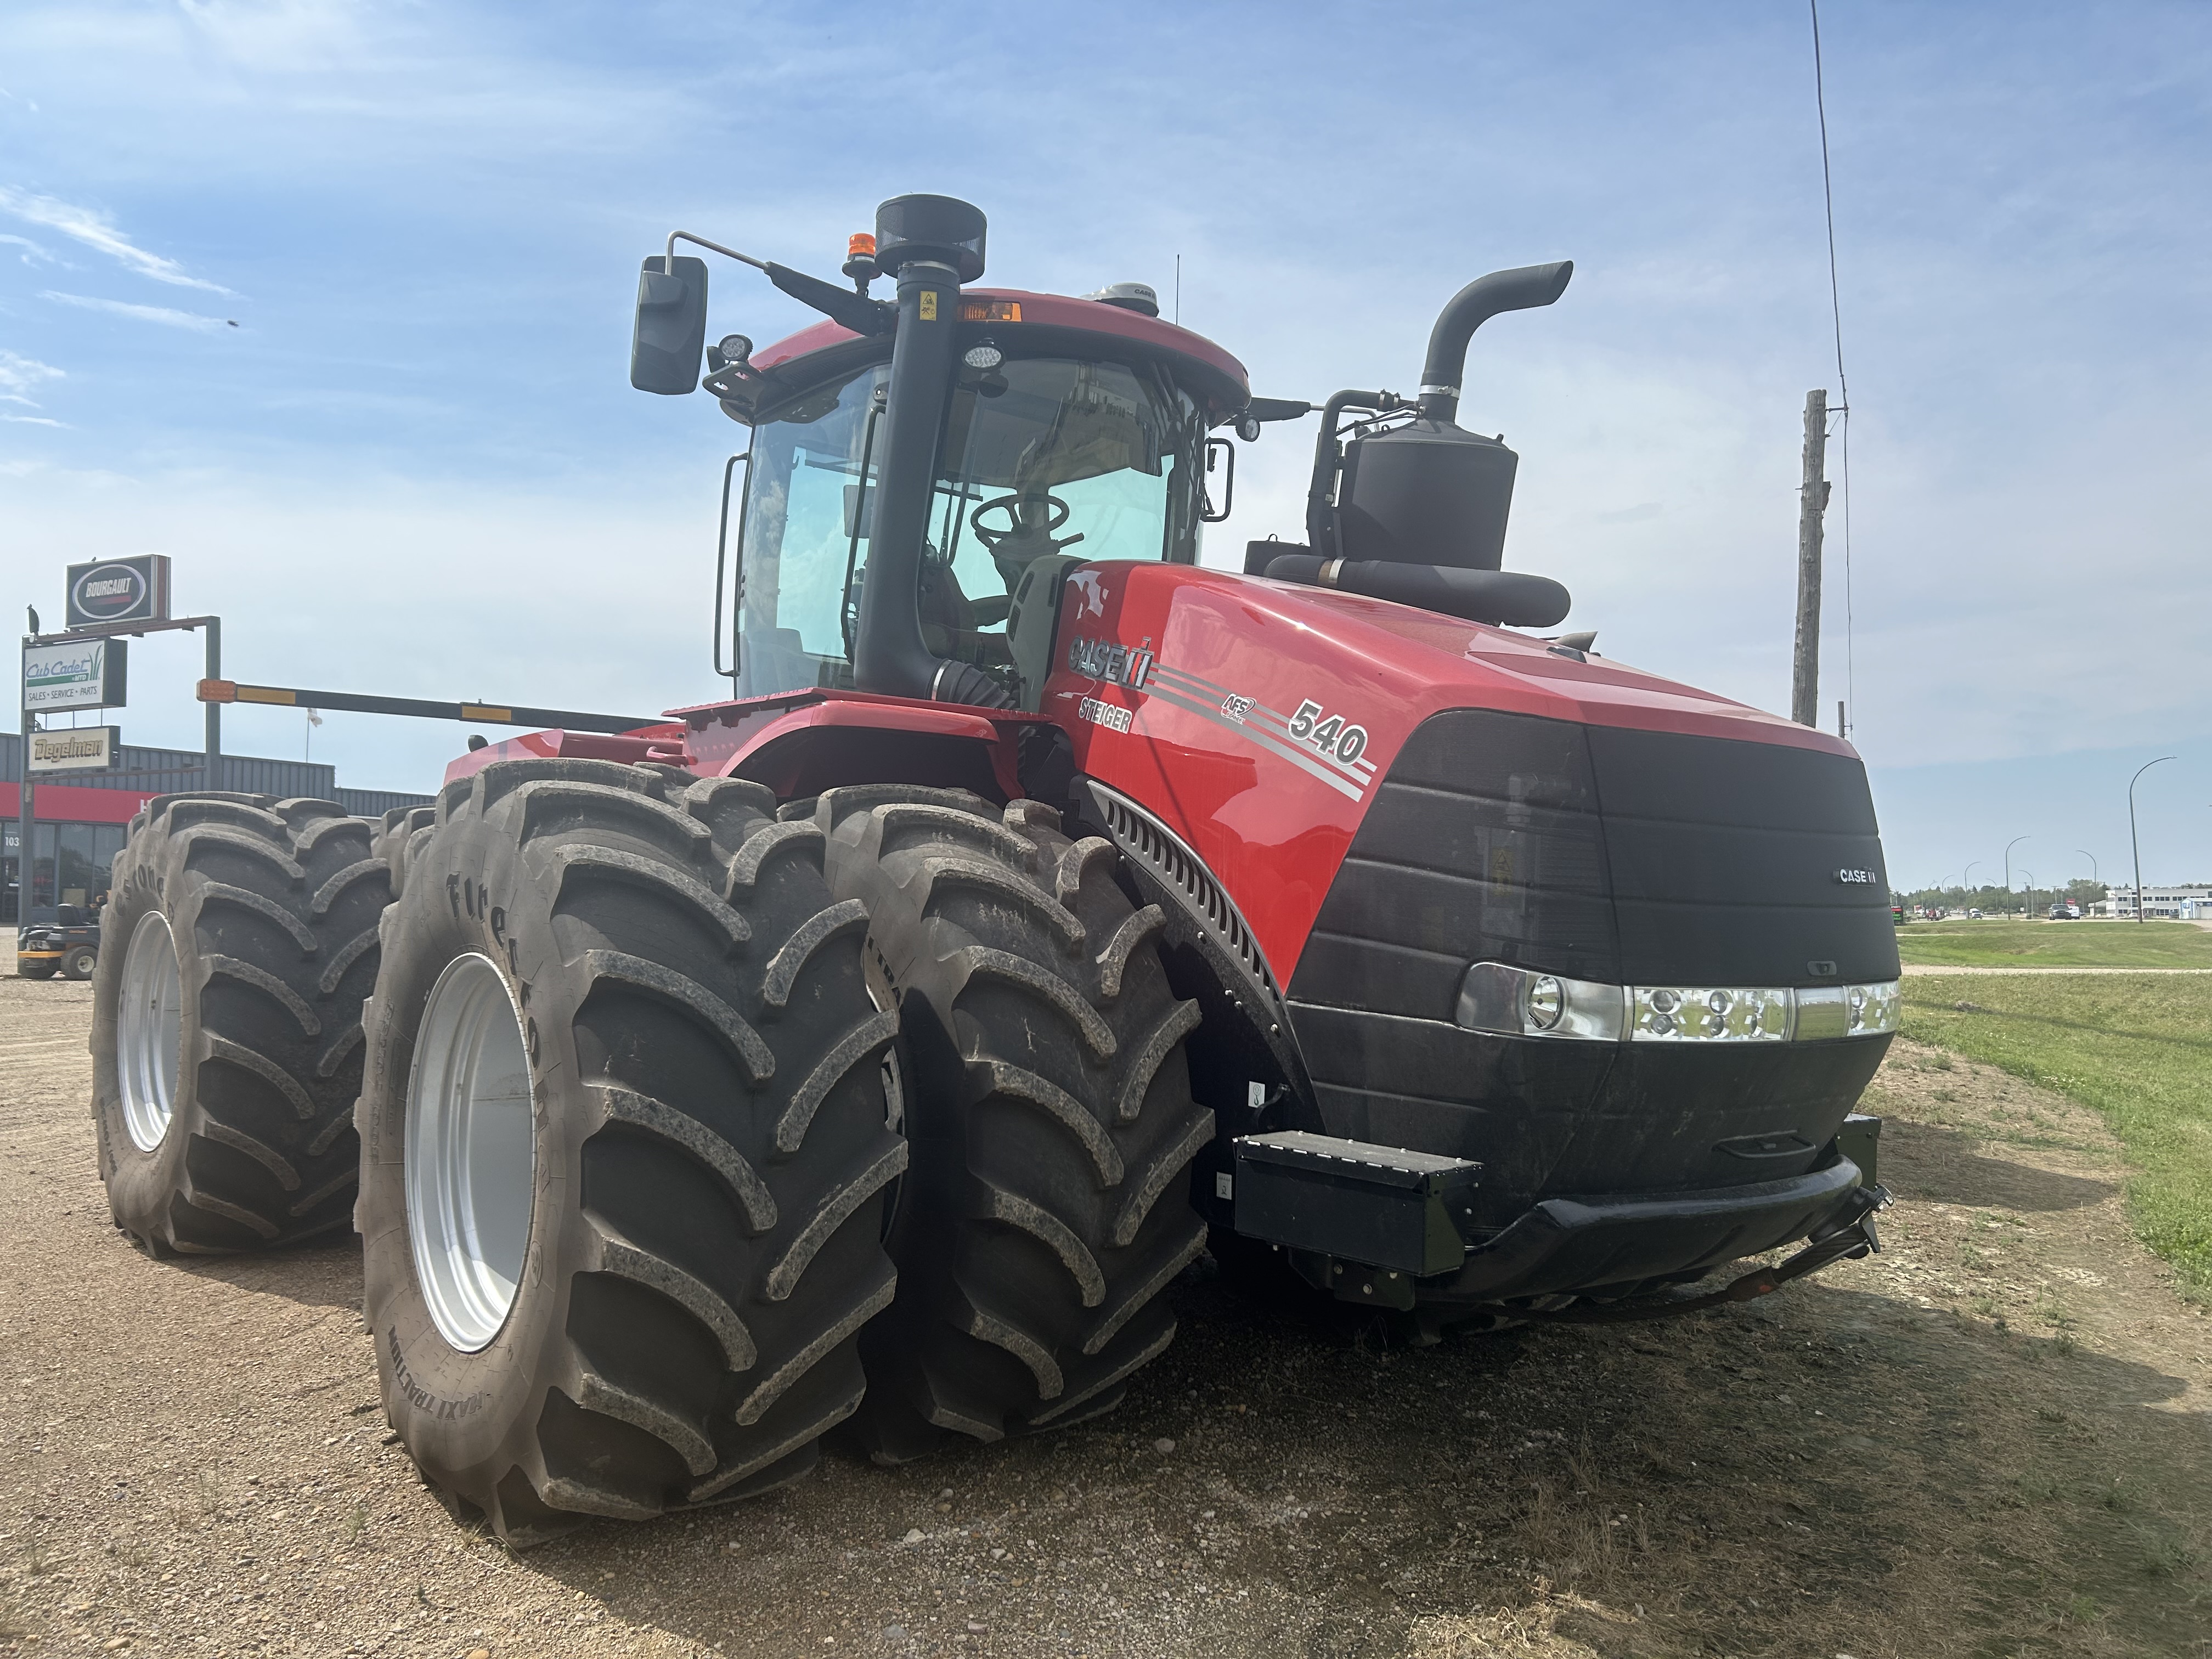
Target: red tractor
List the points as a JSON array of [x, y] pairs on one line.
[[879, 1042]]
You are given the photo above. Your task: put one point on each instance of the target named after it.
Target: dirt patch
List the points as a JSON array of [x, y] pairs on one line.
[[1992, 1439]]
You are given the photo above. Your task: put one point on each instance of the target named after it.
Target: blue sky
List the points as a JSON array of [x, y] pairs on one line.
[[415, 465]]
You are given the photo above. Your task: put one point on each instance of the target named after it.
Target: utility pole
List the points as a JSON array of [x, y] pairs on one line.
[[1812, 502]]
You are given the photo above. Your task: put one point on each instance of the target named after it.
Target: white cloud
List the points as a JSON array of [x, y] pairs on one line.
[[162, 314], [19, 374], [32, 420], [95, 230], [33, 252]]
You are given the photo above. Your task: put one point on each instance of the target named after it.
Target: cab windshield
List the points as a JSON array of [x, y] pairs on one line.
[[1042, 455]]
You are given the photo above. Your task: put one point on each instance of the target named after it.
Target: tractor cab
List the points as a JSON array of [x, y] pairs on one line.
[[1067, 436]]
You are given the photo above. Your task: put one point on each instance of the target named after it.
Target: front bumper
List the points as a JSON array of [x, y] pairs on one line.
[[1393, 1227], [1578, 1244]]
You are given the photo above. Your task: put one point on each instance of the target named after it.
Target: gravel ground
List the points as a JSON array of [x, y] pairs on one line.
[[1991, 1439]]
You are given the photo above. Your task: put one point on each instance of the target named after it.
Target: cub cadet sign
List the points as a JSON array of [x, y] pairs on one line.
[[135, 589], [81, 749], [80, 674]]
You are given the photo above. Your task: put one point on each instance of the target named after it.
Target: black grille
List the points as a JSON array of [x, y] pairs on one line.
[[1602, 854], [1626, 857]]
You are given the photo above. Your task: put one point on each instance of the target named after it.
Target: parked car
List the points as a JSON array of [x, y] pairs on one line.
[[68, 945], [1973, 915], [2066, 912]]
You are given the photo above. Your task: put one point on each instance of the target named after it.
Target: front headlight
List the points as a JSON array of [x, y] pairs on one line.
[[1520, 1002], [1841, 1011], [1515, 1002]]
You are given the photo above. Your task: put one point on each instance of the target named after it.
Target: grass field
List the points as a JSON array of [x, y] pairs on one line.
[[1961, 944], [2138, 1047]]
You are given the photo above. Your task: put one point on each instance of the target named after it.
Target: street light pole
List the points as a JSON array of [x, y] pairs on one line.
[[2096, 876], [2026, 893], [1966, 893], [2134, 843], [2009, 845]]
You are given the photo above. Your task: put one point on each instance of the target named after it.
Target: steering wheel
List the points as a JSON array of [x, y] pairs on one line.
[[1028, 535]]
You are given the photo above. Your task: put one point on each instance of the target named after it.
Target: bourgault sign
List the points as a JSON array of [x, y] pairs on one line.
[[134, 589]]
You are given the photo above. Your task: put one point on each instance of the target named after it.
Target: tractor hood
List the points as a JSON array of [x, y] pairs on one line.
[[1258, 718]]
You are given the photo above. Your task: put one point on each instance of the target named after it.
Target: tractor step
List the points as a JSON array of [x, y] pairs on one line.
[[1383, 1206]]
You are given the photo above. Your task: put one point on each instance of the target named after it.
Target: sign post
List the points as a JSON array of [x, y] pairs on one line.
[[26, 844]]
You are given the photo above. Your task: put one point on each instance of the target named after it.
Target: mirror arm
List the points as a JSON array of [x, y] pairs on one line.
[[854, 311], [668, 259]]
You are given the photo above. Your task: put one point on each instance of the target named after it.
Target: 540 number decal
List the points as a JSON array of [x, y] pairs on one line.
[[1328, 732]]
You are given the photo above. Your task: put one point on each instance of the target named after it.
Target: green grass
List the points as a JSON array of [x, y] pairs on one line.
[[1958, 944], [2136, 1048]]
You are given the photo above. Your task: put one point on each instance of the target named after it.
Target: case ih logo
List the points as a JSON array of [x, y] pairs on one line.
[[1102, 660], [1856, 877]]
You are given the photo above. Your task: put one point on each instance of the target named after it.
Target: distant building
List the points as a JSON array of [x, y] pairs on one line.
[[83, 816], [2185, 903]]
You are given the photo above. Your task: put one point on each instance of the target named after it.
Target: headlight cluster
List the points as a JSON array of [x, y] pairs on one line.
[[1710, 1014], [1518, 1002]]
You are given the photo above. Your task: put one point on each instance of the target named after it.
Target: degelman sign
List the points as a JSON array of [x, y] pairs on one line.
[[79, 748], [135, 589]]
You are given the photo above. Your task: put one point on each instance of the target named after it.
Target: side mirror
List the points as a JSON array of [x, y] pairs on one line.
[[671, 326], [1220, 457]]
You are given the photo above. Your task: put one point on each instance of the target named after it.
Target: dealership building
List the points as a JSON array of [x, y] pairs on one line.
[[2191, 902], [82, 816]]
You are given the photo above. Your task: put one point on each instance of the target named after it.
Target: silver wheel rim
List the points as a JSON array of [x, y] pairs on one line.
[[149, 1034], [471, 1156]]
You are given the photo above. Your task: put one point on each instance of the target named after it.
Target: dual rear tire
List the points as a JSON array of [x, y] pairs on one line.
[[239, 943], [1049, 1111], [626, 1152], [677, 1148]]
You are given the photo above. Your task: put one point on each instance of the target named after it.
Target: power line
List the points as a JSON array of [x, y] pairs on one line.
[[1842, 384]]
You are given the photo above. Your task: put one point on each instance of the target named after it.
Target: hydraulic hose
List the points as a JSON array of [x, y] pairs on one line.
[[1328, 454], [1507, 597]]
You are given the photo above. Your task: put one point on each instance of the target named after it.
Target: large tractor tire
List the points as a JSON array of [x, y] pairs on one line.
[[238, 943], [402, 831], [625, 1147], [1047, 1099]]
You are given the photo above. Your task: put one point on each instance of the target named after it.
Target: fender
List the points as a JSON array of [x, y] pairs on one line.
[[801, 743]]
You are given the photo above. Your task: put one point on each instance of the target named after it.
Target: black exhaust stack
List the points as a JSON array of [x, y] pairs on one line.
[[1429, 496], [1431, 492], [931, 245], [1470, 308]]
